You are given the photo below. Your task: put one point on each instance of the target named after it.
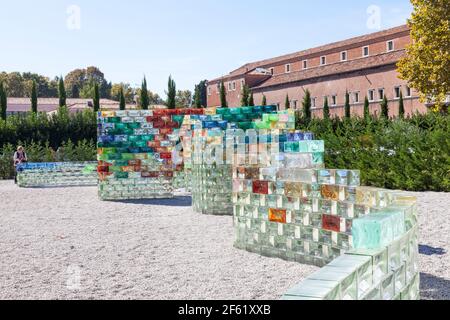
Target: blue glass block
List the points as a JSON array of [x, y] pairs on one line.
[[308, 136]]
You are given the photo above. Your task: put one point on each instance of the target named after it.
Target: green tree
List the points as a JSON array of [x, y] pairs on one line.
[[264, 100], [197, 97], [183, 98], [251, 100], [245, 95], [34, 98], [61, 93], [366, 108], [347, 105], [96, 98], [385, 108], [171, 93], [326, 109], [401, 106], [287, 103], [122, 102], [143, 99], [307, 106], [426, 64], [3, 101], [128, 92], [223, 96]]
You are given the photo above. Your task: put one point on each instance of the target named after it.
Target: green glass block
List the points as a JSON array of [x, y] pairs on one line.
[[235, 111], [372, 231], [121, 175], [133, 125], [127, 156], [134, 138]]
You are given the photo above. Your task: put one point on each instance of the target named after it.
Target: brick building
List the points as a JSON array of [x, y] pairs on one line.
[[363, 66]]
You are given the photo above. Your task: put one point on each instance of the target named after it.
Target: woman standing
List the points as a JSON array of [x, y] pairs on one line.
[[19, 157]]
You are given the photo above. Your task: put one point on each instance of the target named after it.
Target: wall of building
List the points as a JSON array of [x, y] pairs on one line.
[[362, 81]]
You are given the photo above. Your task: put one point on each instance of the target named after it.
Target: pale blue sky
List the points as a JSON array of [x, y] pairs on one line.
[[192, 40]]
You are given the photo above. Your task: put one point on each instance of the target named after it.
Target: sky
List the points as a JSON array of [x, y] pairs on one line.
[[191, 40]]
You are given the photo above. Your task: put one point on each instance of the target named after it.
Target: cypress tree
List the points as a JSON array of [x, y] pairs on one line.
[[3, 101], [401, 106], [347, 105], [61, 93], [34, 100], [122, 99], [197, 97], [223, 96], [326, 109], [171, 93], [366, 108], [251, 101], [245, 97], [287, 103], [144, 100], [96, 98], [307, 106], [385, 108], [264, 100]]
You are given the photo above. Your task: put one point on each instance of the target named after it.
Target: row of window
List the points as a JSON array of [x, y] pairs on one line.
[[343, 55], [373, 95]]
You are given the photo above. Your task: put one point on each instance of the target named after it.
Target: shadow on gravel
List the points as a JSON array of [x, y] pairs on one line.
[[181, 201], [430, 251], [434, 288]]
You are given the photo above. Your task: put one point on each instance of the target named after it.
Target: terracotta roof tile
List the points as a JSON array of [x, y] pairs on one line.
[[336, 68]]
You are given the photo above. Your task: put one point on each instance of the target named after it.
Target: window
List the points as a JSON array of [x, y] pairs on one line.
[[380, 94], [356, 97], [288, 68], [365, 51], [323, 60], [397, 91], [242, 83], [271, 71], [234, 86], [371, 95], [334, 100], [313, 102], [229, 86], [390, 46], [305, 64], [294, 104], [325, 98], [408, 91], [209, 91], [344, 56]]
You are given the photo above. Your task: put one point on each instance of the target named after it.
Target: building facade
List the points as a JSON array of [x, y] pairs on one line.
[[363, 66]]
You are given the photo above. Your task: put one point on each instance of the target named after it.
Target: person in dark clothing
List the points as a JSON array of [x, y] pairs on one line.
[[19, 157]]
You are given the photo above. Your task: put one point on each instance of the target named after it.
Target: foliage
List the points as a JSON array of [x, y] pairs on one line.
[[3, 101], [19, 84], [80, 83], [366, 108], [183, 98], [427, 62], [409, 154], [202, 91], [96, 98], [128, 92], [347, 105], [34, 98], [251, 100], [401, 106], [287, 103], [326, 109], [122, 102], [223, 96], [385, 108], [245, 95], [307, 106], [171, 93], [144, 101], [61, 93], [264, 100]]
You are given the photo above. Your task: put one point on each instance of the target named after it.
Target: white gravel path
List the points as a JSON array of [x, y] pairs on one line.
[[66, 244]]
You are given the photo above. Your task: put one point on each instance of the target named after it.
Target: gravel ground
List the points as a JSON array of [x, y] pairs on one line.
[[64, 243]]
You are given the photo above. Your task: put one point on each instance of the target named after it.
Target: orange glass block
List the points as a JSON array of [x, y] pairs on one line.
[[330, 192], [277, 215]]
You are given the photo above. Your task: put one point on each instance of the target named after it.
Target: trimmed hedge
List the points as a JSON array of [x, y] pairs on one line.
[[411, 154]]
